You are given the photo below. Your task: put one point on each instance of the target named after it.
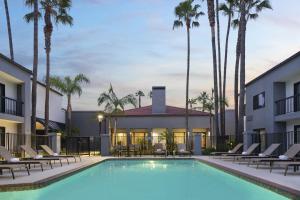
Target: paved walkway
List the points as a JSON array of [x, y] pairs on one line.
[[276, 179], [36, 175]]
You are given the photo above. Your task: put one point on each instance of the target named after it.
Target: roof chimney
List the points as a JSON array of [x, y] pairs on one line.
[[158, 99]]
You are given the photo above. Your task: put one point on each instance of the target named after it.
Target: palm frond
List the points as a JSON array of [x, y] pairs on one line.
[[195, 24], [177, 24]]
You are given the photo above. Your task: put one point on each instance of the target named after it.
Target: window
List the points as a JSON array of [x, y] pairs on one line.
[[259, 101]]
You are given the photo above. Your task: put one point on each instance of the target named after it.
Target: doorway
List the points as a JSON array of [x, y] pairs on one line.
[[297, 97], [297, 134]]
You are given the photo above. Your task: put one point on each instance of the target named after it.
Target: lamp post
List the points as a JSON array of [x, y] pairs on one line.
[[100, 119]]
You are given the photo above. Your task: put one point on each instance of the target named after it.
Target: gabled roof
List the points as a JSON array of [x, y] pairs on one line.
[[15, 64], [170, 111], [275, 67]]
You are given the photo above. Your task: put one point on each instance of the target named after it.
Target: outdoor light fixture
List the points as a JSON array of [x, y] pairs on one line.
[[100, 117]]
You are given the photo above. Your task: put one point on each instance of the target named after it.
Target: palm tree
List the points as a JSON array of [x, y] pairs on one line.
[[202, 99], [248, 9], [115, 105], [211, 18], [57, 11], [227, 10], [11, 48], [35, 61], [192, 101], [187, 14], [140, 94], [69, 87]]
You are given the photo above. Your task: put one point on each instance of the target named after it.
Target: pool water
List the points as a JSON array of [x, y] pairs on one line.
[[148, 180]]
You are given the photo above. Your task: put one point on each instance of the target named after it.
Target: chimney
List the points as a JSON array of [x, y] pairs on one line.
[[158, 99]]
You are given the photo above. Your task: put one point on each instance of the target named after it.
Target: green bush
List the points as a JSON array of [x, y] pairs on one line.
[[208, 151]]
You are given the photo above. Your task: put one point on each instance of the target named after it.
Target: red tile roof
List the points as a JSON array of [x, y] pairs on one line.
[[170, 111]]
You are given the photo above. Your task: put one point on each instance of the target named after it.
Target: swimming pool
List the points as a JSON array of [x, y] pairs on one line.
[[148, 180]]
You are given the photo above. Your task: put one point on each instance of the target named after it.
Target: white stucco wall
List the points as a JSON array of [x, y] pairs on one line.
[[10, 127], [55, 108], [10, 87], [290, 125], [290, 85]]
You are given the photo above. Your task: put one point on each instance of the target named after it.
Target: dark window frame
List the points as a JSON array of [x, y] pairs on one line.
[[256, 105]]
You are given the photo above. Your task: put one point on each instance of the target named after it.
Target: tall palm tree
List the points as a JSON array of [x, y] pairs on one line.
[[211, 18], [35, 13], [227, 10], [115, 105], [140, 94], [57, 11], [219, 58], [249, 9], [69, 87], [11, 48], [187, 14]]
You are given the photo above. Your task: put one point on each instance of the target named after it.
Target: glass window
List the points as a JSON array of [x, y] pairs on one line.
[[259, 101]]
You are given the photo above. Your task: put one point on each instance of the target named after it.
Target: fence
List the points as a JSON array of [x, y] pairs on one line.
[[288, 105], [69, 144], [285, 139]]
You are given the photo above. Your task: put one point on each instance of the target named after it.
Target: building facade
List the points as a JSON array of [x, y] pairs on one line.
[[15, 99], [273, 104], [149, 124]]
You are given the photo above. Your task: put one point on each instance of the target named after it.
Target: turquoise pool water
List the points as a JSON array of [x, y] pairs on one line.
[[148, 180]]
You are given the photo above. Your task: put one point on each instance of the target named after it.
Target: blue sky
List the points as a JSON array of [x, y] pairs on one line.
[[131, 44]]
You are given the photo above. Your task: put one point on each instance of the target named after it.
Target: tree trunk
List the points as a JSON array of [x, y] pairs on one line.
[[11, 48], [222, 131], [236, 84], [48, 32], [187, 91], [242, 70], [69, 111], [225, 71], [139, 101], [35, 67], [211, 18]]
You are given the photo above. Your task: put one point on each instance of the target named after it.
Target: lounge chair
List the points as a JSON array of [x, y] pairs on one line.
[[181, 150], [9, 159], [34, 156], [266, 154], [233, 151], [290, 155], [11, 169], [50, 152], [159, 150], [294, 164], [248, 152]]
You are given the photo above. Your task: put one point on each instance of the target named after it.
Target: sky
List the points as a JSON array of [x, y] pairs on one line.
[[131, 44]]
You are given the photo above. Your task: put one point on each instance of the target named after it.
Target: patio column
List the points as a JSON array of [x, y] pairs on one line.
[[149, 138], [247, 140], [55, 141], [128, 140], [197, 144], [105, 144]]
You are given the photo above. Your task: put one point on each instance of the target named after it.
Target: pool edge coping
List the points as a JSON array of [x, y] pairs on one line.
[[275, 187]]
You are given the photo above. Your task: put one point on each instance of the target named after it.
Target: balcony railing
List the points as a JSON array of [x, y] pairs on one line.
[[11, 106], [288, 105]]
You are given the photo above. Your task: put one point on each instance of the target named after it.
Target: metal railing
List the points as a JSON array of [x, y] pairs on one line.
[[285, 139], [288, 105], [11, 106]]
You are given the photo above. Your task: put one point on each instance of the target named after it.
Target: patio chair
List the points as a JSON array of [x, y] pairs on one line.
[[234, 150], [248, 152], [34, 156], [290, 155], [50, 152], [11, 169], [181, 150], [266, 154], [294, 164], [9, 159], [159, 150]]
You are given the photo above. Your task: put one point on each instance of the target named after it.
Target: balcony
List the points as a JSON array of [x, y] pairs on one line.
[[11, 106], [287, 105]]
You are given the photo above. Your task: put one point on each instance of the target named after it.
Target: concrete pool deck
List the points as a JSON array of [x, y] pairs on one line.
[[287, 185]]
